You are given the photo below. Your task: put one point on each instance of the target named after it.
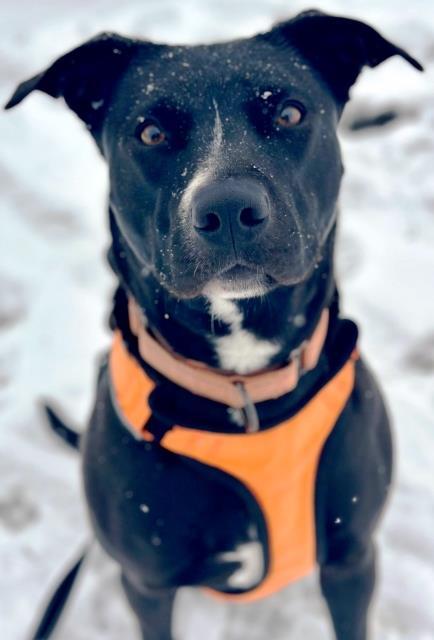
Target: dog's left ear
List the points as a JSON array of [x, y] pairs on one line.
[[84, 77], [337, 47]]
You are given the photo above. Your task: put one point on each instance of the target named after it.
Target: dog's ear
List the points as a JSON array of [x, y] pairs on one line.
[[84, 77], [337, 47]]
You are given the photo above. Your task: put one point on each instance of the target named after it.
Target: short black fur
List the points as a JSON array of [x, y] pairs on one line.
[[213, 197]]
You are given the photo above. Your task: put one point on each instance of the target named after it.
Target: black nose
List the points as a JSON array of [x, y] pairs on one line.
[[237, 207]]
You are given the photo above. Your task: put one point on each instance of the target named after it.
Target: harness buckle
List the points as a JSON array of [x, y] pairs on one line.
[[250, 415]]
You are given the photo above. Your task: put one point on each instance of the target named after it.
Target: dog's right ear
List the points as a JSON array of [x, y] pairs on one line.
[[337, 47], [85, 77]]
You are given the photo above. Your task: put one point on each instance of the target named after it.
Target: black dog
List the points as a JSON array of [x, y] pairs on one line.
[[224, 177]]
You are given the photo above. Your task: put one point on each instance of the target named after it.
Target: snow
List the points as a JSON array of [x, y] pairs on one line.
[[56, 290]]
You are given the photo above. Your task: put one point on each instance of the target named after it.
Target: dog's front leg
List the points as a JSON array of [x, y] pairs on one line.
[[347, 585], [153, 609]]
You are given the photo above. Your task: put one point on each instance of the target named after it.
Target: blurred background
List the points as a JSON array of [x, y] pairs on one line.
[[55, 291]]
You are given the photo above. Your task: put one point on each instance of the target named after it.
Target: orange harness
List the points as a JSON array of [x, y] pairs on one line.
[[277, 465]]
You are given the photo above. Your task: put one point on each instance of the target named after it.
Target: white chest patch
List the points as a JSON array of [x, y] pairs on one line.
[[240, 350], [251, 558]]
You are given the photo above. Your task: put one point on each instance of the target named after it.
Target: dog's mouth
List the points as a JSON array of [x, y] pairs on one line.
[[249, 271], [238, 278], [240, 281]]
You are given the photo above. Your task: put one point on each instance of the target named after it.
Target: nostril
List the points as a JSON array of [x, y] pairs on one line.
[[250, 217], [209, 222]]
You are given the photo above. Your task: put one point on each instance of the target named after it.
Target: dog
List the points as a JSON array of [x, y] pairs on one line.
[[238, 438]]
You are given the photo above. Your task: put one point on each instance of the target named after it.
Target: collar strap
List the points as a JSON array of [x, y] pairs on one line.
[[236, 391]]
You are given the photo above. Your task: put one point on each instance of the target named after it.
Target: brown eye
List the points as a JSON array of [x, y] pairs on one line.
[[152, 135], [290, 116]]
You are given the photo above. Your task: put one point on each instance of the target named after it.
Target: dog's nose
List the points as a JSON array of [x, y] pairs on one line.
[[233, 206]]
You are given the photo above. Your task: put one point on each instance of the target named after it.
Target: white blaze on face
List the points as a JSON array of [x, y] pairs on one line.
[[240, 351], [217, 141], [206, 171]]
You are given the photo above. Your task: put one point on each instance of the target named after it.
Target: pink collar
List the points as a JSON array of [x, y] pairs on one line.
[[236, 391]]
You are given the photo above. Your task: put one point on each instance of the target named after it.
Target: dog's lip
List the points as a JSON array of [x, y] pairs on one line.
[[239, 271], [241, 275], [239, 281]]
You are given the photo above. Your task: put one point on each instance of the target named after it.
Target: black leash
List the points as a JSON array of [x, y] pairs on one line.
[[57, 602], [53, 610]]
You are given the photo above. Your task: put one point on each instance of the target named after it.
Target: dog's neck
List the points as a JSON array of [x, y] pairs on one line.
[[242, 336]]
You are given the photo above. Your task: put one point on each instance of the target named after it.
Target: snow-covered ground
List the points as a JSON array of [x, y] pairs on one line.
[[54, 297]]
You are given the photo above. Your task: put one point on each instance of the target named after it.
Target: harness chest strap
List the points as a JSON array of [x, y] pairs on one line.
[[279, 467]]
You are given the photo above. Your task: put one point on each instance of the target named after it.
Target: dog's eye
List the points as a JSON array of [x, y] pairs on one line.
[[290, 116], [151, 134]]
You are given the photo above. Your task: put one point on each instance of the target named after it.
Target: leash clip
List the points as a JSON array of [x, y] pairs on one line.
[[250, 415]]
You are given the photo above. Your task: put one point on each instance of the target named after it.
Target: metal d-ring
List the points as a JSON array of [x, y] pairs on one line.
[[296, 358], [250, 415]]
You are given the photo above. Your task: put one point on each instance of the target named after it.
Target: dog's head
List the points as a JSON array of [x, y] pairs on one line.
[[224, 162]]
